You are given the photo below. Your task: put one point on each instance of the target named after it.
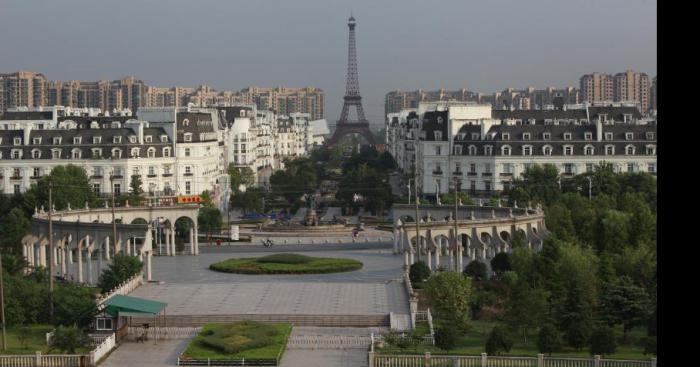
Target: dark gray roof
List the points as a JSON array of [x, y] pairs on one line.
[[27, 115], [197, 123]]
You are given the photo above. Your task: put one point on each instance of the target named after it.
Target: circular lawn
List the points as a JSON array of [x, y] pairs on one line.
[[286, 264]]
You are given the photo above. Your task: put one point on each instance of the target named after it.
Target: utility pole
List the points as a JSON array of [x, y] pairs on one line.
[[50, 252], [2, 306], [415, 177], [114, 221]]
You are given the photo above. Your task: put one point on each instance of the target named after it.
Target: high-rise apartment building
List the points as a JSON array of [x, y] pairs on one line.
[[632, 86], [653, 95], [286, 100], [597, 87], [23, 88]]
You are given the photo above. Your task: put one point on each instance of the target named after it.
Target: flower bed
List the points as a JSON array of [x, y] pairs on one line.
[[286, 264]]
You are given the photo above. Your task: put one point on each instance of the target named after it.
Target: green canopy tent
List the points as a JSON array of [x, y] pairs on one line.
[[124, 306]]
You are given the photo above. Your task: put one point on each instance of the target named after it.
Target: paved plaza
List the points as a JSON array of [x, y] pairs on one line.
[[152, 354]]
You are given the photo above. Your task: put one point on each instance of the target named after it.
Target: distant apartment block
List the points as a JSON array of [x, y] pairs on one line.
[[629, 86]]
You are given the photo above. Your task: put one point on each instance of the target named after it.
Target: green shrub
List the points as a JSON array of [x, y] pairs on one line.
[[446, 337], [603, 341], [234, 338], [549, 339], [315, 265], [285, 259], [649, 345], [475, 270], [498, 341], [419, 272]]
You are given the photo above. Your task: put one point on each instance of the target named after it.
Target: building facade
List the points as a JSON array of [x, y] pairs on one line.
[[485, 149]]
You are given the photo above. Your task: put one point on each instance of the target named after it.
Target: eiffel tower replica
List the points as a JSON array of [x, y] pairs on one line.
[[352, 98]]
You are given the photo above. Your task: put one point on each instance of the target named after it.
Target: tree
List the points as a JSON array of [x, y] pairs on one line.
[[462, 197], [249, 201], [12, 228], [70, 186], [558, 220], [446, 337], [475, 270], [123, 268], [209, 220], [240, 177], [527, 309], [24, 333], [541, 183], [549, 339], [519, 196], [369, 183], [68, 339], [74, 305], [298, 179], [613, 232], [603, 341], [500, 263], [419, 272], [14, 264], [625, 303], [649, 345], [498, 341], [450, 294], [136, 186], [642, 224]]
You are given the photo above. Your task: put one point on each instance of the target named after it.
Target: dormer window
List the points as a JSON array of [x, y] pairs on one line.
[[135, 152], [609, 150], [604, 117], [589, 150], [629, 136], [505, 136], [76, 153], [527, 149], [36, 141], [149, 139], [96, 139], [151, 152], [568, 150], [628, 117], [132, 139], [166, 152], [36, 153], [475, 136], [439, 120], [505, 150], [629, 150], [77, 139], [472, 150], [188, 137], [567, 136], [16, 153], [458, 150], [117, 139], [57, 140], [526, 136], [185, 122], [17, 141], [116, 153], [588, 136], [649, 136], [547, 150], [438, 135], [163, 138], [488, 150], [96, 153], [55, 153], [546, 136], [608, 136]]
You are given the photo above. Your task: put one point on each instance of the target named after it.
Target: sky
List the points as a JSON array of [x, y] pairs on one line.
[[481, 45]]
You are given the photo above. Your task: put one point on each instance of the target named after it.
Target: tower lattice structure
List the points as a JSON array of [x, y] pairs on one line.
[[352, 98]]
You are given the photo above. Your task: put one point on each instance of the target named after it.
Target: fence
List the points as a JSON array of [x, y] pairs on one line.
[[226, 362], [103, 348], [164, 333], [44, 360], [428, 360], [123, 289], [296, 320]]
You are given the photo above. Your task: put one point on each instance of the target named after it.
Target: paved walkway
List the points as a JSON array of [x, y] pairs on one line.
[[162, 354], [331, 353]]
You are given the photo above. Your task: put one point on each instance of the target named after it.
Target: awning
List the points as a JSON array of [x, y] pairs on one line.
[[131, 306]]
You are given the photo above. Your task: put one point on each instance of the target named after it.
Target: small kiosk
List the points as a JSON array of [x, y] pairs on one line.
[[115, 317]]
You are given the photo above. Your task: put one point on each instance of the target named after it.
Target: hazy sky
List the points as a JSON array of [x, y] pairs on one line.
[[484, 45]]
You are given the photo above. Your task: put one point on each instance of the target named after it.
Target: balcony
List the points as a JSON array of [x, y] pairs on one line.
[[473, 173], [486, 174], [457, 173], [34, 177], [167, 175], [505, 174], [117, 176], [151, 176], [436, 172], [96, 177], [15, 177], [567, 174], [188, 174]]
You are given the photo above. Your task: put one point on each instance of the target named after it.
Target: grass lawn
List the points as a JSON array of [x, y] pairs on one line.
[[198, 350], [286, 264], [473, 344], [35, 342]]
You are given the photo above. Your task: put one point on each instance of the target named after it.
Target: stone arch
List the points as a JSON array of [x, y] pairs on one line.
[[505, 236], [442, 242], [139, 220]]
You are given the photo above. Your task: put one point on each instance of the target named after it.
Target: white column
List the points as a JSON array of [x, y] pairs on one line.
[[192, 240], [196, 241], [167, 242], [173, 251], [437, 255], [452, 260], [25, 252], [89, 264], [405, 258], [42, 255], [63, 250], [148, 265], [106, 251], [411, 260], [55, 253], [70, 255], [128, 247], [430, 260], [80, 260]]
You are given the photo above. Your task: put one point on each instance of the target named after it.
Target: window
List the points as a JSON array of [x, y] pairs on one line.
[[609, 149], [507, 168], [18, 141], [166, 170], [187, 152], [77, 139], [135, 171], [149, 139], [97, 171], [649, 136], [488, 150], [116, 153], [18, 189], [546, 136], [438, 150], [568, 150], [57, 140], [96, 139], [36, 141], [472, 150], [526, 136], [166, 152], [487, 167], [458, 167], [16, 154], [55, 153], [458, 150], [163, 138], [651, 168], [188, 170], [188, 187], [487, 185], [505, 136], [188, 137], [439, 120], [151, 171], [472, 186], [135, 152], [96, 153], [505, 150], [589, 167], [151, 152], [651, 149], [588, 150], [567, 136], [629, 136], [36, 172], [608, 136], [96, 189], [588, 136], [630, 167], [472, 167], [629, 150], [117, 139], [117, 189], [36, 154], [547, 150], [527, 150], [438, 135], [568, 168], [185, 122], [475, 136], [132, 139]]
